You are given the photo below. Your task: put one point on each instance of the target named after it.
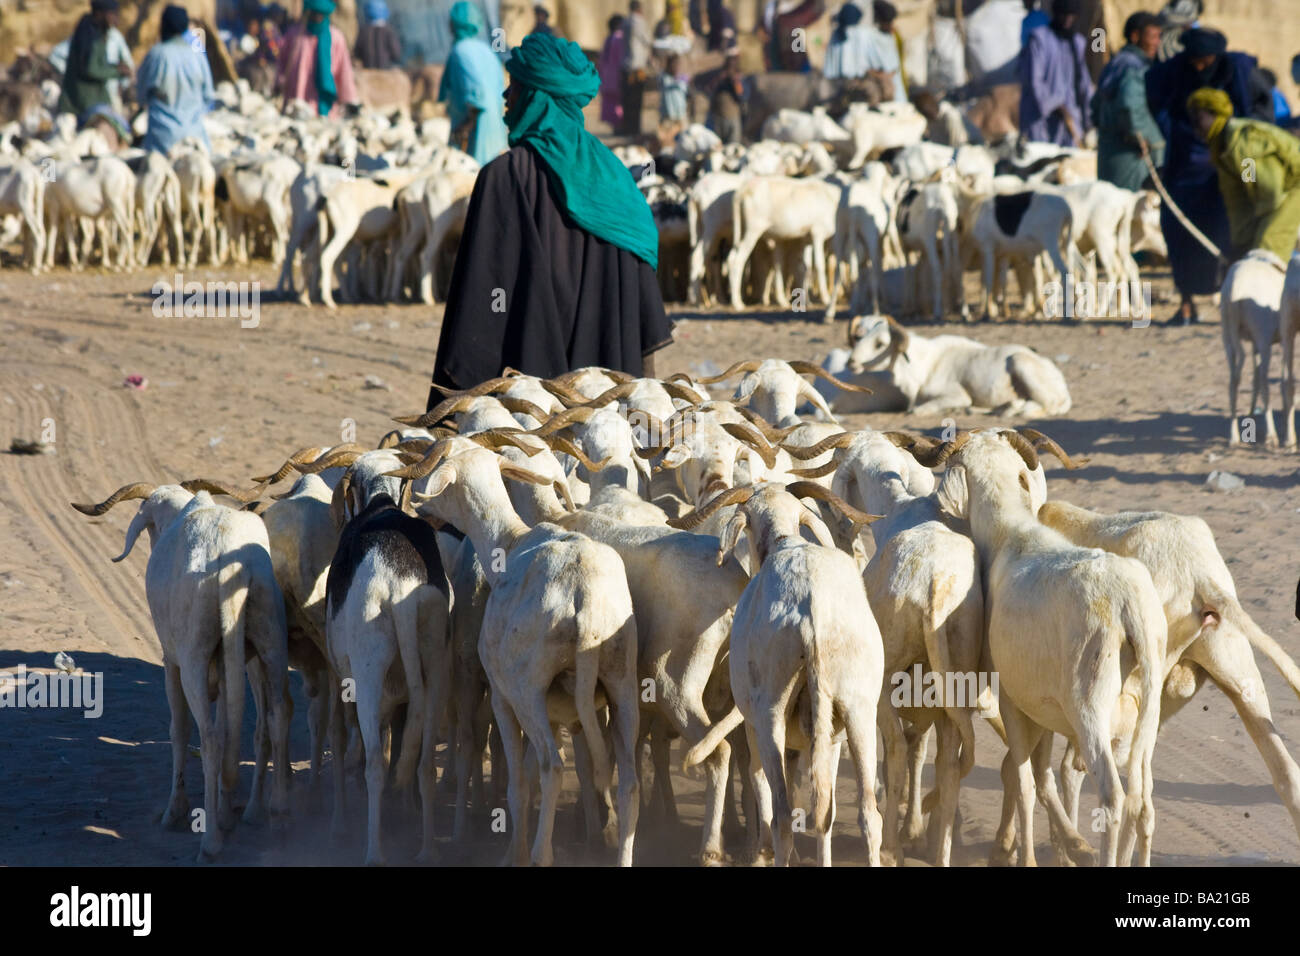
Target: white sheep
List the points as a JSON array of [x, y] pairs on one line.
[[805, 659], [212, 593]]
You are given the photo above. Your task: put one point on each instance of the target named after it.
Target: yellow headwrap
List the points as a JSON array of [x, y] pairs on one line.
[[1214, 101]]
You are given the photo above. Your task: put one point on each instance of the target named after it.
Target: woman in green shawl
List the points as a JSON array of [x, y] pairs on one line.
[[556, 267]]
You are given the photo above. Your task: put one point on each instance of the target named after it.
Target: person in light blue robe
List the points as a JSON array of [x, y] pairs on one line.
[[473, 87], [175, 84]]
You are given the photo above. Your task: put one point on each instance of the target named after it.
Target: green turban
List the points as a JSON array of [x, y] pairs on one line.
[[587, 180], [326, 91], [465, 20], [1214, 101]]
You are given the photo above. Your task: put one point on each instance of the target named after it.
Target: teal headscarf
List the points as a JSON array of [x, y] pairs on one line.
[[587, 180], [326, 91], [465, 20]]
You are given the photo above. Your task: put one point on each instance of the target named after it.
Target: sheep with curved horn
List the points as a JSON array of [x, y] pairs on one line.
[[213, 597], [1077, 637], [805, 653], [559, 607], [911, 372]]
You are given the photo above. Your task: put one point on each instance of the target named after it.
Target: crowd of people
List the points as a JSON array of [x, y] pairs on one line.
[[1173, 102]]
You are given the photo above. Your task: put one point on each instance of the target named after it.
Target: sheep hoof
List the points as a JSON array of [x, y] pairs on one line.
[[711, 857], [1000, 856]]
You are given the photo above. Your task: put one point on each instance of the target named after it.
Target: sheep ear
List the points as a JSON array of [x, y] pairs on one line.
[[339, 501], [138, 524], [953, 494], [731, 535], [806, 391], [438, 482], [517, 473], [818, 528], [676, 456], [745, 388]]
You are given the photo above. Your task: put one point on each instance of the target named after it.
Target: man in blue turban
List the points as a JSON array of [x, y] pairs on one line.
[[377, 47], [556, 267]]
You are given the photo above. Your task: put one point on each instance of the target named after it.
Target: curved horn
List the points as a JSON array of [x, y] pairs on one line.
[[560, 443], [488, 387], [524, 406], [564, 392], [730, 496], [935, 455], [221, 488], [425, 466], [284, 471], [1024, 446], [131, 492], [808, 489], [750, 436], [821, 471], [561, 420], [765, 428], [495, 438], [448, 406], [417, 445], [1042, 442], [335, 459], [808, 368], [684, 392], [390, 439], [808, 452], [739, 368]]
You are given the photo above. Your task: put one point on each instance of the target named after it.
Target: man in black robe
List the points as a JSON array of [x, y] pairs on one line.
[[546, 279]]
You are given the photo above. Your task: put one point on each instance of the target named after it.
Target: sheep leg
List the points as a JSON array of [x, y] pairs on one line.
[[1071, 848], [255, 811], [329, 255], [369, 675], [988, 307], [177, 813], [861, 733], [895, 776], [537, 727], [468, 694], [1022, 736], [625, 715], [427, 773], [767, 739], [1263, 359], [1236, 358], [339, 749], [948, 781], [663, 785], [1071, 782], [586, 789], [194, 679], [1094, 747], [1226, 655], [824, 838], [918, 745]]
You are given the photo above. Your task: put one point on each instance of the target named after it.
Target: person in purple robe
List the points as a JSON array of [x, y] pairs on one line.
[[1055, 85]]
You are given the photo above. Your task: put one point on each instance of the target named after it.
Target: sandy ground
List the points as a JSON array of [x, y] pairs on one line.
[[226, 402]]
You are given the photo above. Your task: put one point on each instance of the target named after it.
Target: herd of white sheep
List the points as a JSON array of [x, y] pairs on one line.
[[593, 566], [628, 562]]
